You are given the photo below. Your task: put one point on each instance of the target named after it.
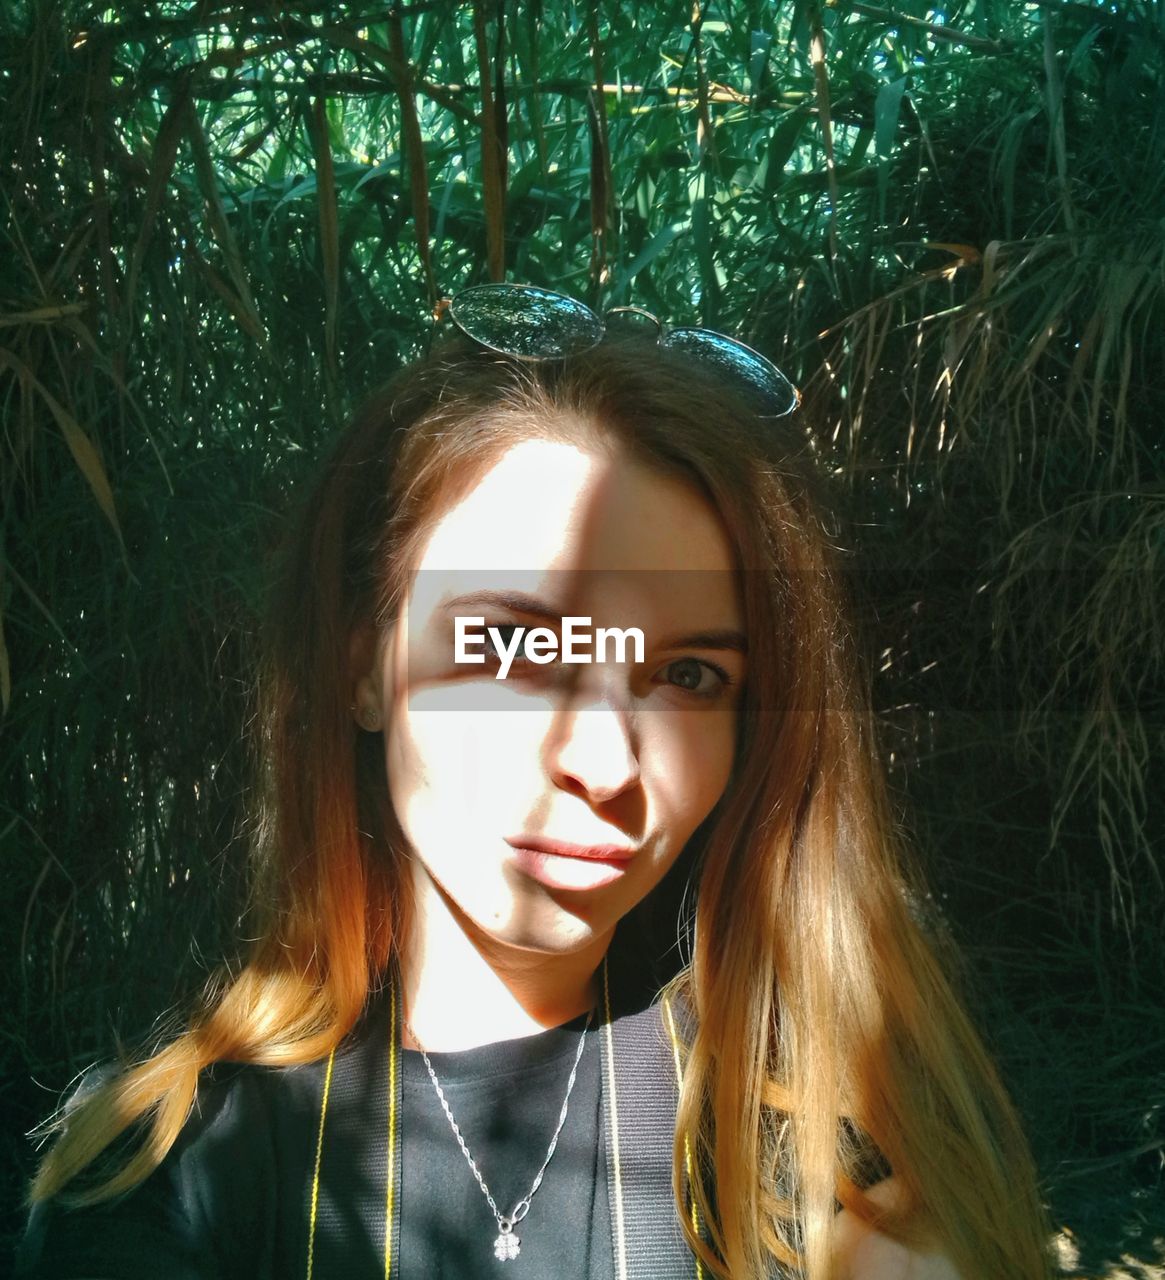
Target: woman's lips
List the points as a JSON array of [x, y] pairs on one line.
[[563, 849], [558, 864]]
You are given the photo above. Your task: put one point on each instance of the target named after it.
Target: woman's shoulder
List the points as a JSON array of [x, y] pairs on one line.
[[208, 1187], [863, 1253], [210, 1201]]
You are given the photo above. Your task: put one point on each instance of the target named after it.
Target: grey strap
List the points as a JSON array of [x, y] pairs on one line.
[[639, 1119]]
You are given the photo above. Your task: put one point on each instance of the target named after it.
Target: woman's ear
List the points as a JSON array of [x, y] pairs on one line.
[[364, 666]]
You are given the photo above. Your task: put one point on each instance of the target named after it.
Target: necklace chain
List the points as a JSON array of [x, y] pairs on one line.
[[506, 1245]]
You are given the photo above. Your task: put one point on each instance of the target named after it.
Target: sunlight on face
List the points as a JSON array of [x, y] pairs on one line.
[[617, 761]]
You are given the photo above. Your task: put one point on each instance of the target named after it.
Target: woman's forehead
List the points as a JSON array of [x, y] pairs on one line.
[[670, 606], [551, 506]]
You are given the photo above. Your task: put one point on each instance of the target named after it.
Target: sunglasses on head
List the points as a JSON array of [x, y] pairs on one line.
[[529, 323]]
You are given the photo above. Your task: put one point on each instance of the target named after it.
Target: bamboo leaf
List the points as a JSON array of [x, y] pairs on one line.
[[1007, 161], [220, 225], [658, 244], [600, 188], [84, 452], [824, 114], [1054, 100], [887, 108], [600, 156], [492, 182], [782, 143], [761, 43], [162, 160], [414, 147], [329, 224], [41, 315], [247, 320]]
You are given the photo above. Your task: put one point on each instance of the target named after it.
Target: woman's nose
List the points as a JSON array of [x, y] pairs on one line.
[[591, 749]]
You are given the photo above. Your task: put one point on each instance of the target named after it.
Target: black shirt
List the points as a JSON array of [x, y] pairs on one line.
[[233, 1200]]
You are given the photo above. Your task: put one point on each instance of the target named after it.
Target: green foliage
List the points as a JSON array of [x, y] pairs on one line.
[[224, 224]]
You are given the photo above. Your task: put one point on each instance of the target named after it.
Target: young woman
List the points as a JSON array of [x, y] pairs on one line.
[[449, 1054]]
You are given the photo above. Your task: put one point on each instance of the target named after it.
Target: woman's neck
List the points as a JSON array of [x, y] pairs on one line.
[[463, 989]]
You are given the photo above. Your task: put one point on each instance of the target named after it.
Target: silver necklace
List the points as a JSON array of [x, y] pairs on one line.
[[507, 1245]]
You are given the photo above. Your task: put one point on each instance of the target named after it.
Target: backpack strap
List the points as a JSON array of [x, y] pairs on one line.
[[641, 1072]]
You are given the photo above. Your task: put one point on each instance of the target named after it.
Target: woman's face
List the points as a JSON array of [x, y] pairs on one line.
[[543, 806]]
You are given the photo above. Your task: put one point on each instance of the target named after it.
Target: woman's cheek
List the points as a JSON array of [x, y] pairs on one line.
[[692, 755]]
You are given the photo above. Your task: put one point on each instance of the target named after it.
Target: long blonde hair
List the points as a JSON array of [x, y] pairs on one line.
[[827, 1039]]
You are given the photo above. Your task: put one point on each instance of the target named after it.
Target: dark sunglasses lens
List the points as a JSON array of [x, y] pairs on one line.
[[520, 320], [739, 361]]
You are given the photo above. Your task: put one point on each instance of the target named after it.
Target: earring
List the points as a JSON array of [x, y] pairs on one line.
[[368, 717]]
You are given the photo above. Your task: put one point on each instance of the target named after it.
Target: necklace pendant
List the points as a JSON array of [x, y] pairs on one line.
[[507, 1246]]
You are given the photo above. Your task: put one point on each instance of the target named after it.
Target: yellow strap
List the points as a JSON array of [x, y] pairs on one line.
[[390, 1190], [315, 1181], [390, 1187]]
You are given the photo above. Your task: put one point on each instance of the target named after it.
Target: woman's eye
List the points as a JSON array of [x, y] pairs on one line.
[[704, 679], [505, 634]]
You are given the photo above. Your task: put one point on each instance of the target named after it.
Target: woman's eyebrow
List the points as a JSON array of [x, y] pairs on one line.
[[725, 638], [515, 601]]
